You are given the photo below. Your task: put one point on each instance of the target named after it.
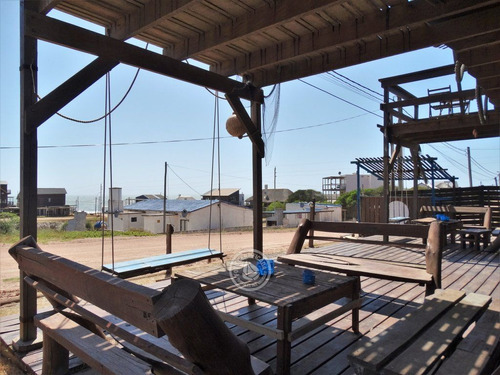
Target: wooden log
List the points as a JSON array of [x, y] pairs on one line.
[[433, 256], [55, 357], [299, 236], [193, 327]]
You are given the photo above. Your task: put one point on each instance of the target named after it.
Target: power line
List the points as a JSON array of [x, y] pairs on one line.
[[180, 178], [339, 98], [357, 83], [181, 140]]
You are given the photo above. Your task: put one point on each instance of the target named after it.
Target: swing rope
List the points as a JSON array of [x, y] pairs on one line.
[[215, 136]]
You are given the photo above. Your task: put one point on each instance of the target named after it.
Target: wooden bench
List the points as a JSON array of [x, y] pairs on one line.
[[93, 311], [471, 217], [474, 236], [428, 274], [430, 340]]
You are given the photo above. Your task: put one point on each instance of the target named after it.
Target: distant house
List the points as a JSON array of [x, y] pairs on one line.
[[4, 194], [184, 215], [52, 202], [185, 198], [271, 195], [148, 196], [230, 195]]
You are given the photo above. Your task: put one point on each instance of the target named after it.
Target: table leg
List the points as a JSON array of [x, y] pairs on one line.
[[355, 312], [251, 301], [284, 346]]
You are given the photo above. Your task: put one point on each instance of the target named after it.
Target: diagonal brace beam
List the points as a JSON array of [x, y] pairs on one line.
[[46, 107], [62, 33], [243, 116]]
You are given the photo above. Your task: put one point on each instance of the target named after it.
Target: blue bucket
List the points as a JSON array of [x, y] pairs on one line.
[[265, 267], [308, 277]]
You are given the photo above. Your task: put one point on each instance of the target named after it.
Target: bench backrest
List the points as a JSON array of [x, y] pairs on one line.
[[433, 233], [128, 301], [465, 213]]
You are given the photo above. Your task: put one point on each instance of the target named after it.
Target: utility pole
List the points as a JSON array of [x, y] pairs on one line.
[[165, 199], [274, 178], [470, 170]]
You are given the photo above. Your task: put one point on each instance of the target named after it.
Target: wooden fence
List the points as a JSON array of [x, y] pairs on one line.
[[480, 196]]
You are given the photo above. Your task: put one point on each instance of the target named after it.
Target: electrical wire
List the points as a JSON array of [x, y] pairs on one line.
[[339, 98], [185, 183]]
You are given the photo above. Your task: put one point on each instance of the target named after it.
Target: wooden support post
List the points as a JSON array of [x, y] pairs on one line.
[[284, 346], [194, 328], [29, 165], [385, 206], [55, 357], [312, 214], [415, 207], [258, 242]]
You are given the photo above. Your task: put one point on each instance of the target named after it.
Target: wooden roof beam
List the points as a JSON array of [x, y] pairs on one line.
[[264, 18], [274, 65], [45, 6], [485, 71], [71, 36], [147, 16]]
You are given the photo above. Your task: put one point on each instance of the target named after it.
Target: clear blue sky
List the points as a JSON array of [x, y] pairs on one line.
[[164, 110]]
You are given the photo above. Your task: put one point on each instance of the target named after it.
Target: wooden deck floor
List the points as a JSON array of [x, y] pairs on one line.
[[324, 350]]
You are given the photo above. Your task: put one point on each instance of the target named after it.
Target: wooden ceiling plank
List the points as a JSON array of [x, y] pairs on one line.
[[485, 71], [262, 19], [480, 56], [389, 45], [149, 16], [398, 37], [475, 41], [55, 31]]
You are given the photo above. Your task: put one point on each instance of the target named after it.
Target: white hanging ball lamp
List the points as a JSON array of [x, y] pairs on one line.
[[235, 127]]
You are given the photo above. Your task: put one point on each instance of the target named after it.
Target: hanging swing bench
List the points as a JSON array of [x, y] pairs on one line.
[[143, 266], [157, 263]]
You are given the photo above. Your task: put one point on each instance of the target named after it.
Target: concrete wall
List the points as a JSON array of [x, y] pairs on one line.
[[367, 181], [232, 217]]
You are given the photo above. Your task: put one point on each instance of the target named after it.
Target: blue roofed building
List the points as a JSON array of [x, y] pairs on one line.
[[184, 215]]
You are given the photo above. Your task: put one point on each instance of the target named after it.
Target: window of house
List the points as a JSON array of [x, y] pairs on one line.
[[133, 220]]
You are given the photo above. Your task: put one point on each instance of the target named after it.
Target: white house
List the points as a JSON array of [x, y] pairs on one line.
[[295, 212], [184, 215]]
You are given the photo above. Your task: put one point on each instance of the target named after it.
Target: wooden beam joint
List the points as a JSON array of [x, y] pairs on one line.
[[253, 133]]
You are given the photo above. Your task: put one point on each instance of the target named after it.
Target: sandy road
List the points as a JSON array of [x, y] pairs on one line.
[[88, 251]]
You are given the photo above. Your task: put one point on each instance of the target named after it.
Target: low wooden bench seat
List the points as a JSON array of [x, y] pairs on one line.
[[92, 307], [428, 274], [430, 339], [62, 334], [158, 263], [471, 217]]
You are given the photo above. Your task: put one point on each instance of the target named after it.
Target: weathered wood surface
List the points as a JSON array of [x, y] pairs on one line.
[[283, 288], [431, 277], [416, 343], [476, 351], [358, 267], [98, 353]]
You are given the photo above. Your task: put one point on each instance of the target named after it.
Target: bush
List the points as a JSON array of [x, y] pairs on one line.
[[9, 223]]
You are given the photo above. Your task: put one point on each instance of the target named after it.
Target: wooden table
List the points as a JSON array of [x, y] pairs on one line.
[[450, 226], [286, 291], [475, 236]]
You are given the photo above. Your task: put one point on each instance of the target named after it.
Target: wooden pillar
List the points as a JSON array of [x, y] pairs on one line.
[[29, 161], [385, 208], [415, 205], [257, 182]]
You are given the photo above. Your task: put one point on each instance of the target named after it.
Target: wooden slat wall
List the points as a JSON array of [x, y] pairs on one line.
[[371, 207], [479, 196]]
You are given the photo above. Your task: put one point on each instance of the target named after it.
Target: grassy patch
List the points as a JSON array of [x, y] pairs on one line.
[[46, 235]]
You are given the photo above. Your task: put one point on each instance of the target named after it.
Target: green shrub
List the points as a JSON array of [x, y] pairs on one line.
[[9, 223]]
